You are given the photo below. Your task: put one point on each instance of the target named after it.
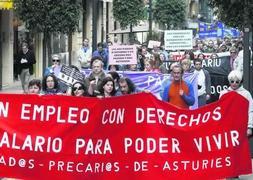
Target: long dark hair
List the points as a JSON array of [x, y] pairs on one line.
[[44, 82], [104, 81], [131, 85], [85, 89], [114, 75]]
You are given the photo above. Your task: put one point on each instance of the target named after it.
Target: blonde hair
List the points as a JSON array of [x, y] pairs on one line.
[[188, 61], [235, 74], [56, 56]]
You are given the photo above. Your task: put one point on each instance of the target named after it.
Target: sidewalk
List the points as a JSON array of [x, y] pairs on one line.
[[12, 88]]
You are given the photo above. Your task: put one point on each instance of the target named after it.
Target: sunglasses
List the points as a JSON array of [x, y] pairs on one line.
[[77, 88], [237, 82], [56, 60]]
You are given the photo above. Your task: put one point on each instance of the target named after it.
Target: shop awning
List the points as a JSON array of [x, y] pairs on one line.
[[6, 4]]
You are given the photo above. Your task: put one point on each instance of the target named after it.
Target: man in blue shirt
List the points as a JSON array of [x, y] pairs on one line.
[[101, 52]]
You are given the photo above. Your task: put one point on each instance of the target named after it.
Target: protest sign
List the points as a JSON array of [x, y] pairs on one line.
[[219, 69], [216, 30], [122, 54], [70, 75], [62, 137], [178, 39], [178, 55], [152, 43], [6, 4]]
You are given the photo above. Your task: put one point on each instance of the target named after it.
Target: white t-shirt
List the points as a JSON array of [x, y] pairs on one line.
[[201, 82]]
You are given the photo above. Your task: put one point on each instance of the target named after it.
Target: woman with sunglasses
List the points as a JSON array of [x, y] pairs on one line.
[[79, 89], [56, 66], [235, 84], [107, 88]]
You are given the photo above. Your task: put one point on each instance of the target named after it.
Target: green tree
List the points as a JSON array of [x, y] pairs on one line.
[[238, 14], [49, 16], [128, 13], [170, 13], [233, 13]]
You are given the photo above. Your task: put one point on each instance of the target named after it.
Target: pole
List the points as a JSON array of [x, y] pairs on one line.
[[246, 56], [70, 47], [251, 62], [150, 18], [95, 12], [246, 52], [246, 59], [103, 36], [1, 61], [84, 3], [44, 52]]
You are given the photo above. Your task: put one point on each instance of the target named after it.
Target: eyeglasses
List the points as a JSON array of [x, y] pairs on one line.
[[232, 81], [77, 88], [56, 60]]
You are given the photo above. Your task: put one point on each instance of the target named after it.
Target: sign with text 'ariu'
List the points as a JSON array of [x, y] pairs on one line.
[[122, 55], [178, 39], [66, 137]]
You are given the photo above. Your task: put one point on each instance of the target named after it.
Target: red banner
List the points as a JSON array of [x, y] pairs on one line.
[[128, 137]]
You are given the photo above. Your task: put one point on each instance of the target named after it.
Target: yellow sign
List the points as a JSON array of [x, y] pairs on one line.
[[6, 4]]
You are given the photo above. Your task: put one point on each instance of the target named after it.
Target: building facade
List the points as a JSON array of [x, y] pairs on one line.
[[6, 44]]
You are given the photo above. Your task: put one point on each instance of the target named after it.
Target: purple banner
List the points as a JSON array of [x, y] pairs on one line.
[[153, 81]]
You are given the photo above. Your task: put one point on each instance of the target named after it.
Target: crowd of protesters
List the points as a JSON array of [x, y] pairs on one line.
[[98, 84], [104, 80]]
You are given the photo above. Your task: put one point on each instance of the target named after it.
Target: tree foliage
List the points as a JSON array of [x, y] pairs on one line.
[[170, 13], [128, 12], [49, 16], [233, 13]]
